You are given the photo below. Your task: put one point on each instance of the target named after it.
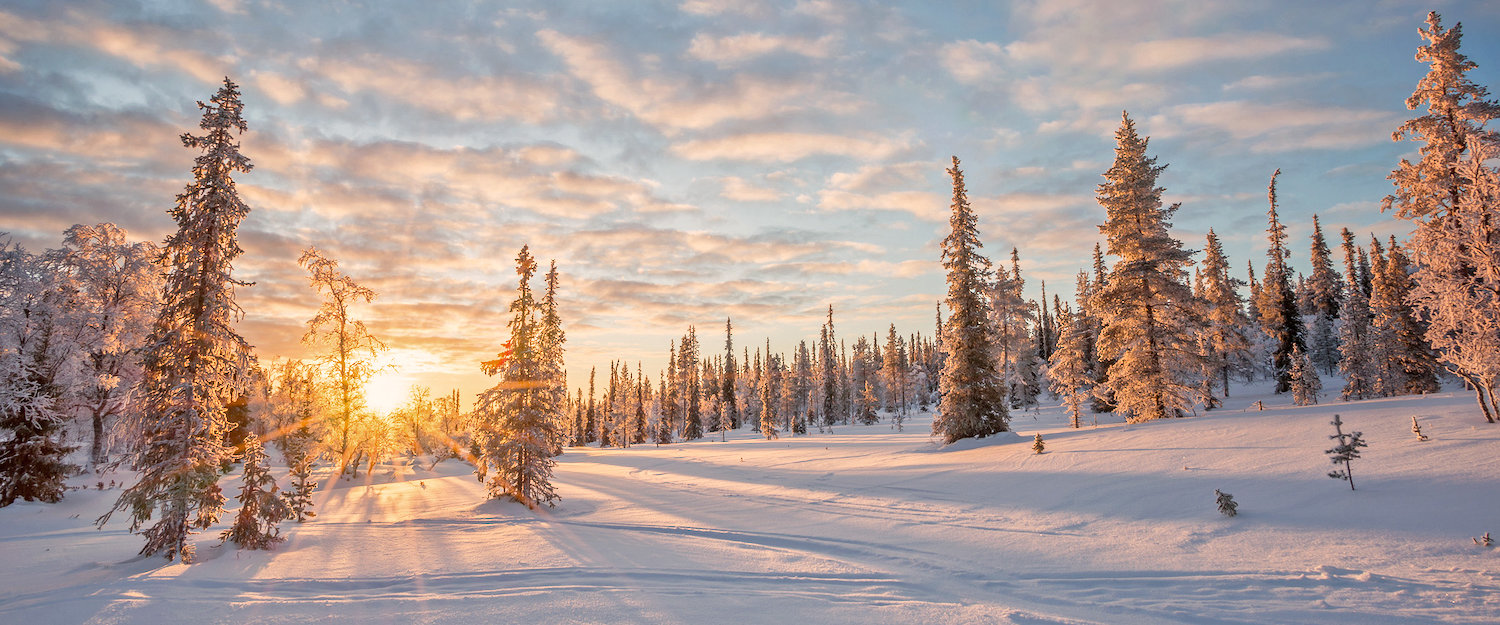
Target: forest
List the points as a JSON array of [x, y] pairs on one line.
[[122, 359]]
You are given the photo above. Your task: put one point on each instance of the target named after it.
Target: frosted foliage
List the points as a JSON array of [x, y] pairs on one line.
[[261, 505], [349, 351], [195, 362], [1069, 372], [1223, 333], [1305, 382], [35, 357], [1147, 309], [972, 402], [514, 420]]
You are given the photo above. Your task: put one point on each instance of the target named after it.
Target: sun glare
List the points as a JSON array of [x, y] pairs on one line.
[[388, 389]]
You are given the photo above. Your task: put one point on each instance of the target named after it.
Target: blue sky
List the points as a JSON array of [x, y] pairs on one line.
[[688, 161]]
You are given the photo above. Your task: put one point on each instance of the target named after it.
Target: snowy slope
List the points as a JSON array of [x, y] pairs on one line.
[[1114, 524]]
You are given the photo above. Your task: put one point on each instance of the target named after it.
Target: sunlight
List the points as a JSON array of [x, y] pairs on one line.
[[388, 389]]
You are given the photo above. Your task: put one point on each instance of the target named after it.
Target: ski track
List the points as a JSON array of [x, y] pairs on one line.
[[664, 534]]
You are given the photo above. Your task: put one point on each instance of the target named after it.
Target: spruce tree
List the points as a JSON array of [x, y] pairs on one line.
[[1279, 317], [1305, 382], [514, 418], [730, 388], [1452, 195], [1325, 292], [34, 353], [195, 362], [1345, 452], [1356, 353], [554, 368], [261, 507], [972, 402], [1147, 309], [1406, 362], [1224, 320], [1069, 369]]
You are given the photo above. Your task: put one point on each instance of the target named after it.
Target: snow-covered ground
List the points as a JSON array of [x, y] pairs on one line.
[[1115, 524]]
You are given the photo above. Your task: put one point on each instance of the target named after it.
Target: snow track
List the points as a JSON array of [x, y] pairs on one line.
[[1114, 525]]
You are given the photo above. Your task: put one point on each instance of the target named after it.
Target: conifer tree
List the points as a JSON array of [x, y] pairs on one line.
[[769, 392], [865, 408], [1147, 310], [34, 354], [261, 507], [1224, 319], [1037, 445], [1356, 353], [730, 394], [972, 402], [1406, 363], [895, 373], [515, 416], [1279, 317], [1452, 195], [1345, 452], [554, 368], [690, 387], [1325, 292], [1069, 369], [195, 362], [1305, 382]]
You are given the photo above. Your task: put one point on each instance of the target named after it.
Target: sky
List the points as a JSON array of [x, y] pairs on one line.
[[687, 162]]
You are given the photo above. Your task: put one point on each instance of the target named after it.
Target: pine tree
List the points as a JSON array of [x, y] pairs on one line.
[[769, 391], [1279, 317], [1406, 362], [1224, 320], [865, 408], [972, 400], [691, 386], [730, 394], [301, 460], [1452, 196], [261, 507], [1356, 353], [195, 362], [34, 352], [894, 371], [515, 416], [1345, 452], [1305, 382], [1146, 308], [1037, 445], [554, 368], [1226, 503], [1069, 368], [1325, 290]]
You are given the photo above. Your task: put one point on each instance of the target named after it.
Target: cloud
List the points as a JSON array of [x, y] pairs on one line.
[[141, 44], [972, 62], [673, 103], [735, 49], [1165, 54], [737, 189], [1280, 127], [786, 147], [465, 98]]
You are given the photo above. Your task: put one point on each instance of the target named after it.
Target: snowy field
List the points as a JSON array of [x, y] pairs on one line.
[[1114, 524]]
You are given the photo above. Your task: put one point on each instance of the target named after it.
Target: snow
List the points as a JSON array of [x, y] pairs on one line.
[[1115, 524]]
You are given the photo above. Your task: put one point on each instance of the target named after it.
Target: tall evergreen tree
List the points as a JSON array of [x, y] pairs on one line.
[[1279, 317], [1325, 292], [1452, 196], [1147, 309], [261, 505], [730, 396], [35, 353], [1356, 351], [515, 416], [554, 368], [1224, 320], [1408, 365], [972, 402], [195, 362]]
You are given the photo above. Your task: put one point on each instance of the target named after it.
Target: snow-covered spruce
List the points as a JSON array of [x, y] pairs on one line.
[[514, 423], [1226, 503], [1037, 445], [1277, 303], [1147, 310], [1305, 382], [972, 391], [261, 505], [35, 354], [195, 361], [1345, 452]]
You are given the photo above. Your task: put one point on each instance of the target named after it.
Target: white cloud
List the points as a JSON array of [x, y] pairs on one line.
[[972, 62], [785, 147], [1166, 54], [735, 49], [737, 189]]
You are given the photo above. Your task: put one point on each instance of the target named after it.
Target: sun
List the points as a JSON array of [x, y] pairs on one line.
[[389, 388]]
